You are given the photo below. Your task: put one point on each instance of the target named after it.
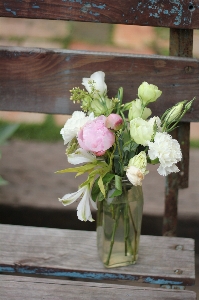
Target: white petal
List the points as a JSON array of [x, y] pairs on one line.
[[83, 209], [70, 198], [80, 156], [73, 125], [167, 170]]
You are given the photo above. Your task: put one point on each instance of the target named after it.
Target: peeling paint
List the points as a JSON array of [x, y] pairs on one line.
[[74, 1], [83, 275], [35, 6], [10, 10], [161, 281], [103, 6], [67, 58], [62, 273], [155, 15], [94, 13], [85, 8], [176, 9]]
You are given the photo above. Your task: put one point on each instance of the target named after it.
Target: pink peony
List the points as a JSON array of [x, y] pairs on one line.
[[96, 137], [114, 122]]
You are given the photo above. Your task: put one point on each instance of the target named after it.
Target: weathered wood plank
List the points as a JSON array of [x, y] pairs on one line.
[[73, 253], [39, 80], [18, 287], [176, 14]]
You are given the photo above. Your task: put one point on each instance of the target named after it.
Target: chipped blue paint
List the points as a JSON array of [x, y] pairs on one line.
[[7, 269], [77, 1], [85, 7], [10, 10], [67, 58], [73, 274], [166, 12], [177, 9], [84, 275], [35, 6], [94, 13], [155, 15], [74, 1], [161, 281], [153, 1], [103, 6]]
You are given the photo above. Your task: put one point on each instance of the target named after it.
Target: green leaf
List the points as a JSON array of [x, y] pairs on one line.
[[108, 177], [3, 181], [118, 183], [95, 190], [81, 169], [101, 186], [100, 197], [116, 193], [118, 187], [7, 131]]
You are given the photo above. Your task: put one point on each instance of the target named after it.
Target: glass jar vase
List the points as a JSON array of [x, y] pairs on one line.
[[119, 226]]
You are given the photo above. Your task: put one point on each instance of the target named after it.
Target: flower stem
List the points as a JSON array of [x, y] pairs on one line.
[[117, 214], [135, 234]]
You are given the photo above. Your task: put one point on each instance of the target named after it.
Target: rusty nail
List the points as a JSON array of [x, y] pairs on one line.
[[179, 247], [178, 271]]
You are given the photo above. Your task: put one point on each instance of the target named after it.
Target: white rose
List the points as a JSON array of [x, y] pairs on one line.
[[98, 83], [134, 175], [74, 124], [141, 131]]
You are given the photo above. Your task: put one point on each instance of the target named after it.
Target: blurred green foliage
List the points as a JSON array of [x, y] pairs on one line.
[[48, 131], [6, 131]]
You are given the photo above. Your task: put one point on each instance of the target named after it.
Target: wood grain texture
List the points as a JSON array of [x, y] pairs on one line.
[[18, 287], [176, 14], [39, 80], [73, 253]]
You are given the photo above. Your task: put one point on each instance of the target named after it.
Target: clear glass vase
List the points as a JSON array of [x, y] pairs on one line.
[[119, 225]]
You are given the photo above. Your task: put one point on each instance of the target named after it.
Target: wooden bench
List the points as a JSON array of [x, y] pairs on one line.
[[18, 287], [72, 254], [39, 80]]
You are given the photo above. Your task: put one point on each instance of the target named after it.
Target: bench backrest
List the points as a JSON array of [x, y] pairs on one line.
[[39, 80]]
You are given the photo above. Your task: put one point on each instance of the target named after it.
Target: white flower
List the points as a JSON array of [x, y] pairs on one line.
[[167, 150], [81, 156], [98, 83], [134, 175], [83, 208], [141, 131], [74, 124], [157, 121]]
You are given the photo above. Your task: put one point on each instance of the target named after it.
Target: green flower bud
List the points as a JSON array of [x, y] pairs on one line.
[[98, 107], [136, 110], [139, 161], [148, 93], [174, 113]]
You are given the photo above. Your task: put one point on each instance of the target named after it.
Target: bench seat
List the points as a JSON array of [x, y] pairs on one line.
[[19, 287], [73, 254]]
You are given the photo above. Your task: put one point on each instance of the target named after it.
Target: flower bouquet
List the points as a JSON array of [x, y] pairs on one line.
[[113, 142]]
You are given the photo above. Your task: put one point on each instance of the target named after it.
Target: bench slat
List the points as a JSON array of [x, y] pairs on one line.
[[18, 287], [176, 14], [39, 80], [73, 253]]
